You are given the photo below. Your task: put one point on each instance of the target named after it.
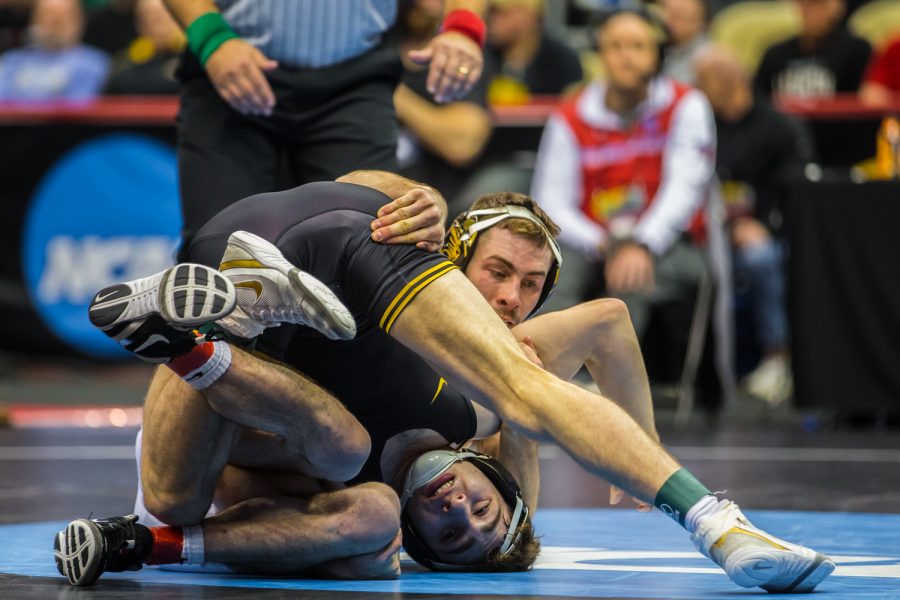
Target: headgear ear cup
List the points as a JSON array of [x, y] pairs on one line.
[[459, 241]]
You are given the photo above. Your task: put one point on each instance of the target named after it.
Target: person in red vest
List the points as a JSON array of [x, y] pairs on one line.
[[624, 167]]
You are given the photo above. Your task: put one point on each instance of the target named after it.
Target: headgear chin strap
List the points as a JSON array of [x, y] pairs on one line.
[[432, 465], [463, 235]]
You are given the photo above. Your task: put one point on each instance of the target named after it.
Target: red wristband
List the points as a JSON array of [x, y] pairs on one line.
[[467, 23]]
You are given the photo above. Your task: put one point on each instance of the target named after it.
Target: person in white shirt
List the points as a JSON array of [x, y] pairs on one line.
[[624, 167]]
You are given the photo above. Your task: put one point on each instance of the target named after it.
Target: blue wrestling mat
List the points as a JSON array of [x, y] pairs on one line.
[[596, 553]]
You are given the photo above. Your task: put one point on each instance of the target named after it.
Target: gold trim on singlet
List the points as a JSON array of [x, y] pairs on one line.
[[410, 291]]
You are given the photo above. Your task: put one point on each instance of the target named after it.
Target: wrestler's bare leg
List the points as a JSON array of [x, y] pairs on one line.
[[351, 532], [189, 436], [450, 324]]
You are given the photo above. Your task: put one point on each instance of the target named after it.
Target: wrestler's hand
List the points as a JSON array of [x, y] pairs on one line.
[[456, 64], [615, 496], [630, 269], [381, 564], [527, 345], [237, 70], [417, 217]]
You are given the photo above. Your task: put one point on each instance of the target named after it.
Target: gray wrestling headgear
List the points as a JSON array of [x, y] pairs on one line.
[[432, 465]]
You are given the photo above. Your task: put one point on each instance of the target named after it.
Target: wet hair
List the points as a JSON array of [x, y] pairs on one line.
[[520, 559]]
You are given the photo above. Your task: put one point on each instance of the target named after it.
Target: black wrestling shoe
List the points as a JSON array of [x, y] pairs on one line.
[[87, 548], [152, 317]]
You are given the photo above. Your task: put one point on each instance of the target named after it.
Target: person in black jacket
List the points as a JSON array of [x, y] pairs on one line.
[[823, 60], [758, 148]]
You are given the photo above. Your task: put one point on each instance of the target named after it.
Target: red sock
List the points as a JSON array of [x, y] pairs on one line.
[[196, 358], [203, 365], [168, 542]]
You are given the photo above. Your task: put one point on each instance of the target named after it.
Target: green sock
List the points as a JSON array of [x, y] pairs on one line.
[[679, 493]]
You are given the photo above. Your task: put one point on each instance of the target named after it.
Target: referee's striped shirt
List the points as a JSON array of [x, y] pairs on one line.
[[310, 33]]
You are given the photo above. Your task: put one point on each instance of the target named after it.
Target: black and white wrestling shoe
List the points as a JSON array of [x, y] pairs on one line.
[[152, 317], [87, 548]]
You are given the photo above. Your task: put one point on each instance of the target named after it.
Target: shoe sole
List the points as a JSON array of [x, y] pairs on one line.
[[186, 296], [758, 567], [78, 550], [328, 314], [821, 568]]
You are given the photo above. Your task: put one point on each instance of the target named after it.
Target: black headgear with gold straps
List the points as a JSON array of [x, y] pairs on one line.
[[462, 237]]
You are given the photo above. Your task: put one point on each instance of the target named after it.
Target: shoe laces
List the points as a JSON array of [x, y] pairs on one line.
[[119, 542], [711, 527], [116, 530]]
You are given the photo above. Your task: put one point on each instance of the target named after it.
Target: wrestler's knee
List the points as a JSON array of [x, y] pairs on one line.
[[343, 460], [177, 509], [372, 518], [607, 312], [173, 497]]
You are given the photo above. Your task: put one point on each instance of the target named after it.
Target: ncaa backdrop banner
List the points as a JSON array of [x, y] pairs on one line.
[[106, 211]]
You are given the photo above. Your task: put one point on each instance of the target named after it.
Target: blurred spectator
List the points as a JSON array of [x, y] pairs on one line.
[[822, 60], [111, 27], [624, 167], [437, 142], [148, 65], [526, 59], [882, 82], [686, 23], [758, 148], [55, 66]]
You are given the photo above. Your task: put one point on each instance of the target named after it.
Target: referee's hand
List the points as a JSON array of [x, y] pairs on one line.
[[455, 65], [237, 70]]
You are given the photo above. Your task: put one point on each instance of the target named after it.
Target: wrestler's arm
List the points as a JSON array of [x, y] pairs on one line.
[[598, 335], [515, 451], [415, 216]]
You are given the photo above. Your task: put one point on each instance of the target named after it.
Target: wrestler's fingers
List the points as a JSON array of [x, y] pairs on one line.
[[433, 234], [400, 202], [410, 203], [615, 495], [425, 226], [530, 351]]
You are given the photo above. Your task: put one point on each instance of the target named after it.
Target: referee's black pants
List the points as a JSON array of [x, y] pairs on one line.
[[326, 122]]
